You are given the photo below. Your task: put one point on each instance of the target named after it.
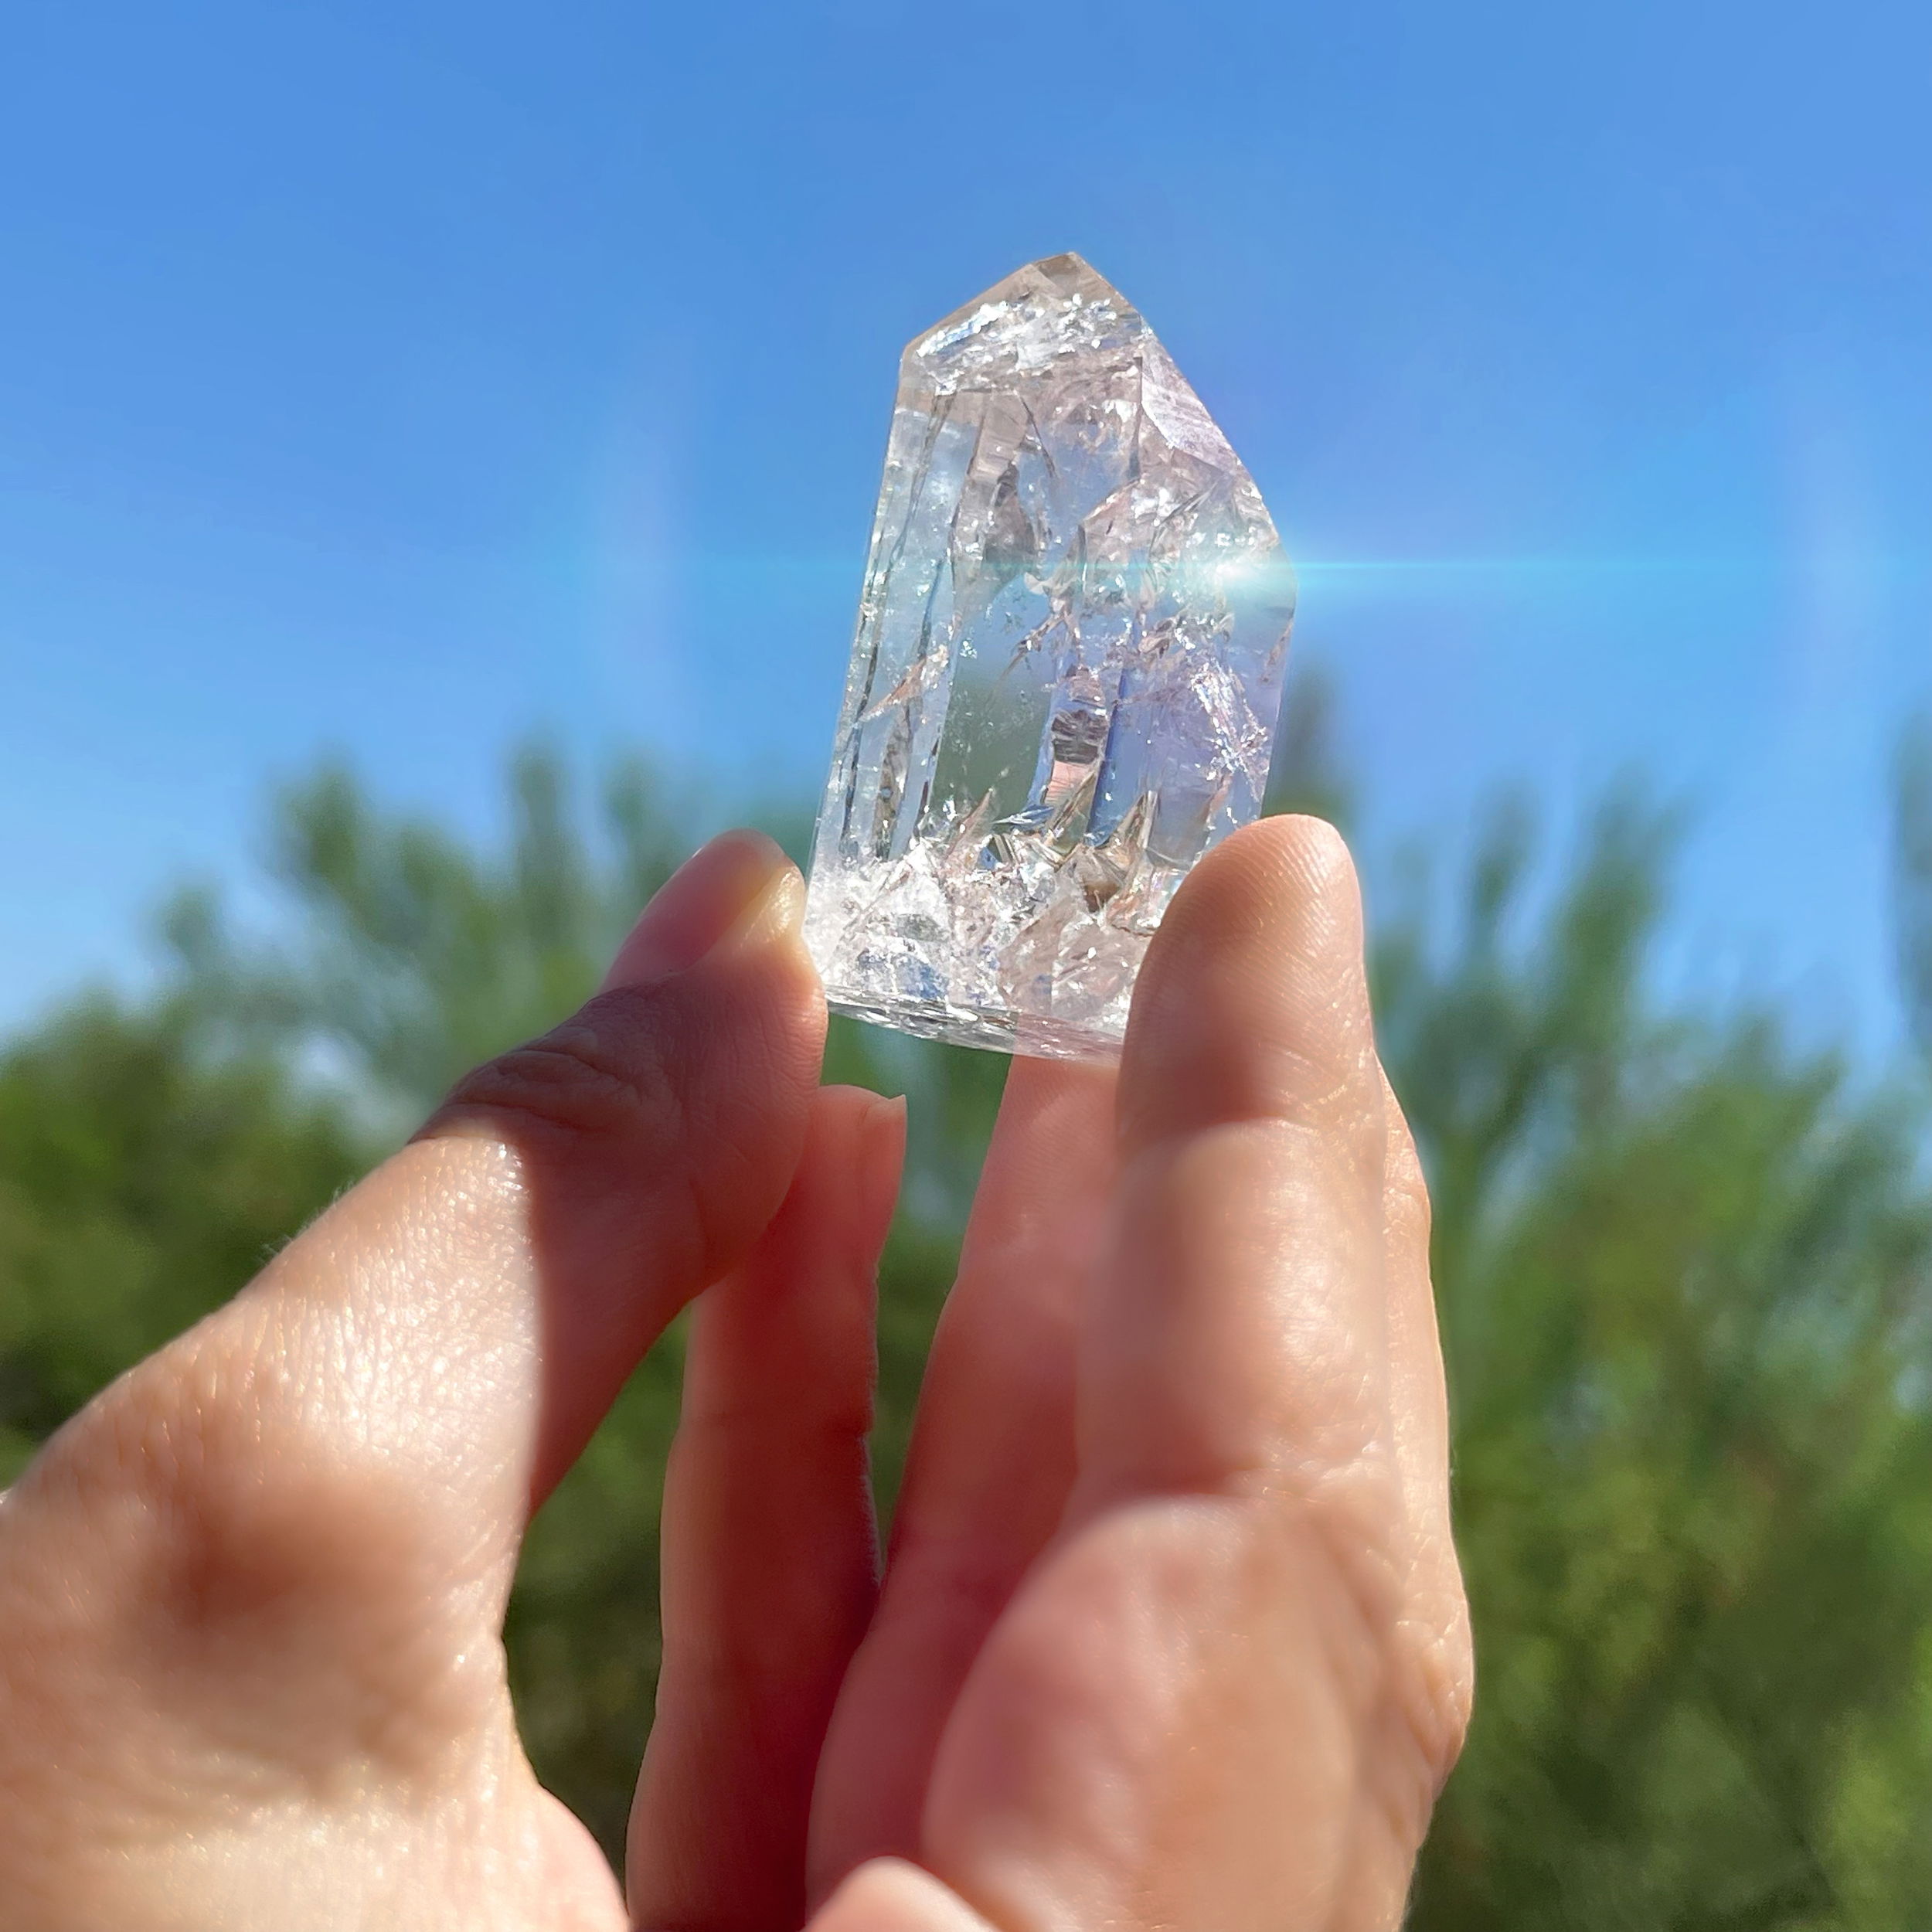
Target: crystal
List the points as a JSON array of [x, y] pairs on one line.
[[1064, 681]]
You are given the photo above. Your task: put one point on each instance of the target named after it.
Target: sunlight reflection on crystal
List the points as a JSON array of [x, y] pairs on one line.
[[1064, 681]]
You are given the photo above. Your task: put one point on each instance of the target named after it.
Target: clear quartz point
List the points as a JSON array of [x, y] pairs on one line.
[[1064, 681]]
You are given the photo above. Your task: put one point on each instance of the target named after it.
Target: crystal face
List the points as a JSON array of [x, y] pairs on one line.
[[1064, 681]]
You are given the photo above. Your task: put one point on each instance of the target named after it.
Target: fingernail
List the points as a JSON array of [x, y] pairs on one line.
[[777, 912], [739, 891]]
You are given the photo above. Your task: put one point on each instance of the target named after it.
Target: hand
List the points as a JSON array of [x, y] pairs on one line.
[[1171, 1634]]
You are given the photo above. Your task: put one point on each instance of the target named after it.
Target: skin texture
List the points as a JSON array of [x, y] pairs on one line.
[[1171, 1634]]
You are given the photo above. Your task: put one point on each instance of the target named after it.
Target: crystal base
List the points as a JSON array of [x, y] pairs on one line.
[[998, 1032]]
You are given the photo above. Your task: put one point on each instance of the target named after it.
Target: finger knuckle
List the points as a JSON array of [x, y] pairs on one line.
[[1437, 1693], [1406, 1186], [1404, 1650], [601, 1074], [262, 1586]]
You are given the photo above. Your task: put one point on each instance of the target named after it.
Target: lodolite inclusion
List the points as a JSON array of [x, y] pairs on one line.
[[1064, 681]]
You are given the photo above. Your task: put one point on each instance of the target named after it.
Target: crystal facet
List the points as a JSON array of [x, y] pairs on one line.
[[1064, 681]]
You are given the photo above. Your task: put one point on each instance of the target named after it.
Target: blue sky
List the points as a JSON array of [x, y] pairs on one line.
[[394, 378]]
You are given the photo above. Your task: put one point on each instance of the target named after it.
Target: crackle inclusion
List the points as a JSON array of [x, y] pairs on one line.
[[1064, 681]]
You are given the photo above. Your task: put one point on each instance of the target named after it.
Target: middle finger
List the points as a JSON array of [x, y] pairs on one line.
[[991, 1460]]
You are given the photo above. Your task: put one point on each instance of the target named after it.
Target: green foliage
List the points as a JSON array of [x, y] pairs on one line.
[[141, 1180], [1683, 1277], [1683, 1270], [412, 957]]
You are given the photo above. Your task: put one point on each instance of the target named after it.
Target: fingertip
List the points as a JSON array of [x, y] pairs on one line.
[[1253, 999], [1281, 889], [889, 1895], [849, 1174], [882, 1163], [721, 887]]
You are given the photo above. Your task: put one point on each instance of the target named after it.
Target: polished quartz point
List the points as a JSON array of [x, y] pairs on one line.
[[1065, 678]]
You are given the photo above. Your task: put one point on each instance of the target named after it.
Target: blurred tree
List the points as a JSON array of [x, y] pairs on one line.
[[410, 956], [1683, 1271], [1683, 1275], [142, 1179]]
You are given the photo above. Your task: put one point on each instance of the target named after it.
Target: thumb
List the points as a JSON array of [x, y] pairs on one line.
[[635, 1154], [434, 1352], [265, 1568]]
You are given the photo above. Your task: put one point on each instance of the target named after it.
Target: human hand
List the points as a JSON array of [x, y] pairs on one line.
[[1172, 1633]]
